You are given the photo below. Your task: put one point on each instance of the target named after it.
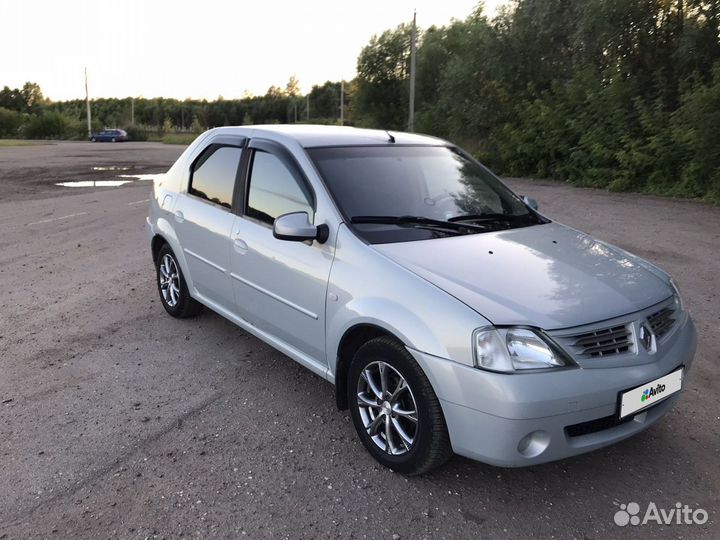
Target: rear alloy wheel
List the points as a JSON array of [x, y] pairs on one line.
[[395, 410], [169, 280], [173, 291]]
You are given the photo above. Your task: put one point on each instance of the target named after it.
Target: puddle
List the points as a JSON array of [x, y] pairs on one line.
[[94, 183], [111, 183], [111, 168]]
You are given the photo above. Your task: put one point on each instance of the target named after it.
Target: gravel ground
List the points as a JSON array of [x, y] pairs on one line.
[[117, 421]]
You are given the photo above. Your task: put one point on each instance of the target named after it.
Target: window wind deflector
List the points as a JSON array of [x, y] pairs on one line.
[[417, 220]]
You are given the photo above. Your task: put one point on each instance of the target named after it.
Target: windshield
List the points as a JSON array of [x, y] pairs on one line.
[[404, 193]]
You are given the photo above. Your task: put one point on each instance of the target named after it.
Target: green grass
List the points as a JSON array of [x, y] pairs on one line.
[[17, 142], [178, 138]]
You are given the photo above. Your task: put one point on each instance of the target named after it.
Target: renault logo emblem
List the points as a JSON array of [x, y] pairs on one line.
[[647, 338]]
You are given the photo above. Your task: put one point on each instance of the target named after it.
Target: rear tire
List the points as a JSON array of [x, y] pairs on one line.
[[395, 410], [173, 290]]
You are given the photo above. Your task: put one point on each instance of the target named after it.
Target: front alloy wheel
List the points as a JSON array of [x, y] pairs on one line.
[[394, 408], [387, 408]]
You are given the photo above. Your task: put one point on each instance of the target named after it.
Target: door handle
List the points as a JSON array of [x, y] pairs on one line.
[[179, 217], [240, 245]]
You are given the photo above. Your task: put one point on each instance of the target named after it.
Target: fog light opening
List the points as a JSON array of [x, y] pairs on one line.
[[533, 444]]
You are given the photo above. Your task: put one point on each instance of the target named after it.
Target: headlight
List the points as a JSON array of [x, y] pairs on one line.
[[516, 349], [678, 297]]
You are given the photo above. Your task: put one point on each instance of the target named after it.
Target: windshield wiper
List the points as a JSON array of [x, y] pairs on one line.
[[418, 220]]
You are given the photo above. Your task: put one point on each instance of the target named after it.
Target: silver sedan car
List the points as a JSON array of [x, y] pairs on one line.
[[449, 313]]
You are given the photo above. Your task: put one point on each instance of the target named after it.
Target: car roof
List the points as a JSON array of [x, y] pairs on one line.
[[309, 135]]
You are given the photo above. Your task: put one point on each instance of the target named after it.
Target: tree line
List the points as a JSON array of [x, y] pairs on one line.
[[26, 113], [621, 94]]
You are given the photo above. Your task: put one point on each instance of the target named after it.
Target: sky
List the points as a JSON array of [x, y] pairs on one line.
[[196, 48]]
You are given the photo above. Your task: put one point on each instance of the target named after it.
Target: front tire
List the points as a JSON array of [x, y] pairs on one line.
[[173, 290], [395, 410]]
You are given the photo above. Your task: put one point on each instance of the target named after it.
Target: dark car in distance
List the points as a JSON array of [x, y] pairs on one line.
[[109, 135]]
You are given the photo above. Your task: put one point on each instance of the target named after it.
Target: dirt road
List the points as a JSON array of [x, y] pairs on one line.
[[117, 421]]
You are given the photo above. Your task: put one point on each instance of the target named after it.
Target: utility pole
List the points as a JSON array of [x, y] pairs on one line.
[[411, 112], [307, 107], [132, 111], [87, 103], [342, 103]]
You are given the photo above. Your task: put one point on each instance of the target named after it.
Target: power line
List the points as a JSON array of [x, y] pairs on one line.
[[87, 103], [411, 112], [342, 103]]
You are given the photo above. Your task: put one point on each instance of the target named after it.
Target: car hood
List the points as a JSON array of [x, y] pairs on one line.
[[549, 276]]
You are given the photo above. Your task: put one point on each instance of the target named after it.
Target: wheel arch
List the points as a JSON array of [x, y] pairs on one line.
[[156, 244], [353, 338], [165, 234]]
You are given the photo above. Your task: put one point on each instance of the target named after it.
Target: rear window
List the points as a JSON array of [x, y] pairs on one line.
[[214, 173]]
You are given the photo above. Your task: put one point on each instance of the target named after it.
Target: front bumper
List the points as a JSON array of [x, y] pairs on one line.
[[515, 420]]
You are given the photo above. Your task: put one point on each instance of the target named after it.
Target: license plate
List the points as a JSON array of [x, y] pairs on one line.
[[650, 393]]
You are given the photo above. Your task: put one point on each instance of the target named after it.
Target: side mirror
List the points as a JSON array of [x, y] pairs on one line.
[[532, 203], [296, 227]]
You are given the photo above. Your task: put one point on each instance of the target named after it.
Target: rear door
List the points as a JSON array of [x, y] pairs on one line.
[[203, 219]]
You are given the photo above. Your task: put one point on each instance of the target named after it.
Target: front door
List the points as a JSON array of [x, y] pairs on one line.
[[280, 286]]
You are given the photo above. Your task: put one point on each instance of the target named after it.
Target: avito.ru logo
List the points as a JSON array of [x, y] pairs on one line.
[[629, 514], [652, 392]]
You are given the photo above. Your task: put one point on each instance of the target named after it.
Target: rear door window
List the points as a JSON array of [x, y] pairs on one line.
[[214, 173]]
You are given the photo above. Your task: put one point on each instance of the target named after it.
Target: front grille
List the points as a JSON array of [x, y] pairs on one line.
[[615, 340], [593, 426], [603, 342], [661, 322]]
